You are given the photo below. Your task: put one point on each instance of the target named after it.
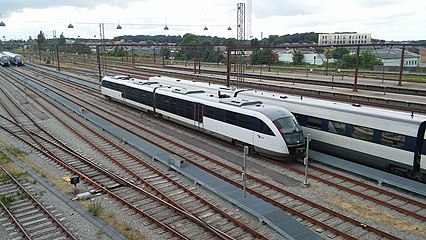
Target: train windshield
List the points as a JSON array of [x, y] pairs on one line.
[[291, 131], [287, 125]]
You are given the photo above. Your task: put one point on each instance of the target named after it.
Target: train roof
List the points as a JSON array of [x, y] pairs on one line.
[[199, 92], [302, 102], [10, 54]]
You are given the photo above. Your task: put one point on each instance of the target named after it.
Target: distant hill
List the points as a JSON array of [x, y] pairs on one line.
[[273, 40], [309, 38]]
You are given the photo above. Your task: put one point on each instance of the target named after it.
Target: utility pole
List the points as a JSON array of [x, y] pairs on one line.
[[401, 67], [241, 21], [355, 88]]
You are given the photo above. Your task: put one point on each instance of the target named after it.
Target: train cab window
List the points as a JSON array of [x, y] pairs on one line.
[[337, 127], [424, 147], [424, 144], [287, 125], [362, 133], [393, 140], [314, 122]]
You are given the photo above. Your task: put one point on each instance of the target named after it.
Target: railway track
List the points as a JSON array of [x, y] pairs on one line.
[[219, 74], [24, 216], [281, 198], [177, 197], [275, 83], [391, 200]]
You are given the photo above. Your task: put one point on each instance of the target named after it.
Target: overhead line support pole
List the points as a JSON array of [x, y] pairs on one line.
[[401, 67], [228, 65], [355, 88]]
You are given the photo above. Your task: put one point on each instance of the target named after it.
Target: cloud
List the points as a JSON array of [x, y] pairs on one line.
[[8, 6], [268, 8], [385, 19]]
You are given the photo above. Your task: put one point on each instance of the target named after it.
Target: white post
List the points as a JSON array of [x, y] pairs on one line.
[[306, 160], [244, 170]]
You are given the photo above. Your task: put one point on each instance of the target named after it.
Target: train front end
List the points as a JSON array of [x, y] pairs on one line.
[[292, 133], [287, 130]]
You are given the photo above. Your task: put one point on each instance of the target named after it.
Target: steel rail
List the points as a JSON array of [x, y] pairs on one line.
[[189, 215], [223, 213], [56, 221]]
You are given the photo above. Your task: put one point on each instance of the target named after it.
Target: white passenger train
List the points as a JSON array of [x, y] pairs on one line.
[[390, 140], [14, 59], [267, 129], [4, 60]]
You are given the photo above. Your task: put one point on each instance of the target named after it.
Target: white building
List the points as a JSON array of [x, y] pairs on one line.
[[392, 57], [340, 38], [309, 58]]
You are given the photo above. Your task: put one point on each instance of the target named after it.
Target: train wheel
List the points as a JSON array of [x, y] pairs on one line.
[[252, 151]]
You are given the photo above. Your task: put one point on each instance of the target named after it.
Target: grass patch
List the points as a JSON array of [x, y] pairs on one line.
[[118, 224], [7, 200], [15, 151], [95, 208], [121, 226], [4, 158], [22, 195], [377, 215], [4, 178]]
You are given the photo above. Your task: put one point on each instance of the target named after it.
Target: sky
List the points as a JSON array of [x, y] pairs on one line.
[[395, 20]]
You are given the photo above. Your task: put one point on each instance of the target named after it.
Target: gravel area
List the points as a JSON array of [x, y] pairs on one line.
[[78, 225], [342, 202]]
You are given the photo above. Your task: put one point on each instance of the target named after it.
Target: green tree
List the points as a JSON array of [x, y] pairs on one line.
[[348, 60], [230, 42], [40, 43], [119, 51], [254, 42], [262, 56], [338, 54], [368, 59], [41, 40], [207, 52], [298, 57], [188, 51], [62, 41], [165, 52]]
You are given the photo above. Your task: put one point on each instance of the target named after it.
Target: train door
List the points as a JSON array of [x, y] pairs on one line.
[[420, 147], [198, 115], [123, 91]]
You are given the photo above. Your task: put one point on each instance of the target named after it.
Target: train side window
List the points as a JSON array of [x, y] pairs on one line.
[[189, 109], [363, 133], [301, 119], [262, 127], [208, 111], [337, 127], [244, 121], [231, 118], [219, 114], [314, 122], [393, 139]]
